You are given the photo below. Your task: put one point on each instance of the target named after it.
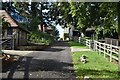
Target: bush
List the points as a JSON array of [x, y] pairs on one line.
[[39, 37]]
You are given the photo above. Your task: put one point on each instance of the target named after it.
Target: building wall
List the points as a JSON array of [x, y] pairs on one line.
[[15, 37], [7, 33], [22, 37], [42, 28]]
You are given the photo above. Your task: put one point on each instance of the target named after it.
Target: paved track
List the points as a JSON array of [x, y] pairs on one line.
[[54, 62]]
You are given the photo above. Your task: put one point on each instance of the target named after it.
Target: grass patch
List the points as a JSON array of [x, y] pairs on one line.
[[77, 45], [96, 67]]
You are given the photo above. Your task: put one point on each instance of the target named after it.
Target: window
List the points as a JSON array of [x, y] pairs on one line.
[[9, 31]]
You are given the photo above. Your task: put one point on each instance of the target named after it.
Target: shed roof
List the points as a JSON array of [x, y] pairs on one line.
[[9, 19]]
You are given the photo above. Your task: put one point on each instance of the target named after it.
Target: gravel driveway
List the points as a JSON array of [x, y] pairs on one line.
[[54, 62]]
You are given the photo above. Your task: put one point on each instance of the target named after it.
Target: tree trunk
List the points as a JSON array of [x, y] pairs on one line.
[[119, 20], [118, 6]]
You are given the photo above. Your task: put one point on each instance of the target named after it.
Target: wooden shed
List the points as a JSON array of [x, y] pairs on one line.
[[20, 37]]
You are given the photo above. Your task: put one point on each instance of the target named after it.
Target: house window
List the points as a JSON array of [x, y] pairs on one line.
[[9, 31]]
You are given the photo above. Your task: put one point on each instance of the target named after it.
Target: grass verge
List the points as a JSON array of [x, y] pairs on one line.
[[96, 67], [77, 45]]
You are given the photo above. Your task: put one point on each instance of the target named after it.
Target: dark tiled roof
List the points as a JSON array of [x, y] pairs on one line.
[[9, 19], [3, 13]]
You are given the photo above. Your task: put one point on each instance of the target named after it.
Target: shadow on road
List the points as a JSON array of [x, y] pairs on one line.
[[54, 49], [61, 43], [15, 66], [28, 64]]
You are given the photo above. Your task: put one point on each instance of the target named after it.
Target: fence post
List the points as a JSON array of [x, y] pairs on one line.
[[89, 43], [79, 39], [94, 45], [104, 49], [119, 58], [110, 53], [86, 42], [99, 48], [107, 48]]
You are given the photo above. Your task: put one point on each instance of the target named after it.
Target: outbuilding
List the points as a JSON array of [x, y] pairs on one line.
[[19, 32]]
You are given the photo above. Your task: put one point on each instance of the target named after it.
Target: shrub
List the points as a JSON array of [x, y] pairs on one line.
[[39, 37]]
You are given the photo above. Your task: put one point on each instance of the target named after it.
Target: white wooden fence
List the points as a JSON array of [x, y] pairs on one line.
[[107, 49], [88, 42]]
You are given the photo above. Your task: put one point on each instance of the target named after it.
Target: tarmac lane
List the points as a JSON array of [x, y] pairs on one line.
[[54, 62]]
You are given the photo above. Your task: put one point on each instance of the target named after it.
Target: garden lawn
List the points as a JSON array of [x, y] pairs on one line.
[[77, 45], [96, 67]]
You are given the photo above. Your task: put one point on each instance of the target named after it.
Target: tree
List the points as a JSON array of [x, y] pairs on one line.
[[33, 12], [118, 8], [101, 16], [109, 19], [5, 24], [86, 15]]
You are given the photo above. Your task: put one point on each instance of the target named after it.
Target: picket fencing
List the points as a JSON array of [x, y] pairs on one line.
[[107, 49]]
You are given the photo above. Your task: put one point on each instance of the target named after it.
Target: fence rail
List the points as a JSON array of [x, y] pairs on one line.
[[107, 49], [88, 42]]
